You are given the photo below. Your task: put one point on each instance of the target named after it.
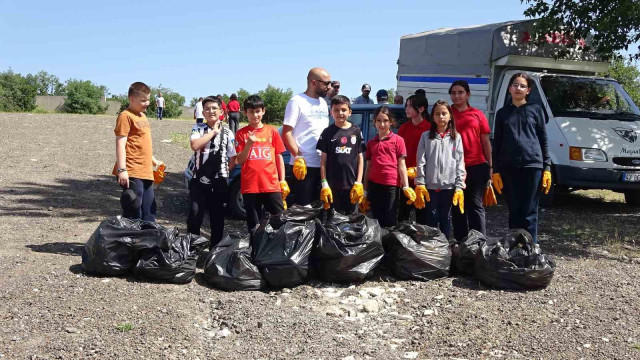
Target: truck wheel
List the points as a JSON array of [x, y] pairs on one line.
[[632, 198], [235, 201]]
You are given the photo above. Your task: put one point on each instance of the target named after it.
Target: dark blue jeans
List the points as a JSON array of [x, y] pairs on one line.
[[439, 210], [522, 192], [144, 209], [159, 113]]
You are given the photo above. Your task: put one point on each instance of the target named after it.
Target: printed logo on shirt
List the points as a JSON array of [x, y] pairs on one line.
[[343, 140], [354, 139], [260, 153], [343, 150]]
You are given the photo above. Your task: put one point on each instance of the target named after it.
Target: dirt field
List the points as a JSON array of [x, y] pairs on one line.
[[55, 188]]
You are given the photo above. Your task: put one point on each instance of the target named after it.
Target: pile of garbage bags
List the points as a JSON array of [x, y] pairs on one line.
[[152, 252], [303, 242], [512, 262]]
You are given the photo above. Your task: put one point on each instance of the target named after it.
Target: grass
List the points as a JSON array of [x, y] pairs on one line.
[[40, 110], [180, 139], [595, 219], [124, 327], [636, 346]]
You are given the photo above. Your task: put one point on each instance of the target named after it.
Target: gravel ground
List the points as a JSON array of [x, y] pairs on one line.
[[55, 188]]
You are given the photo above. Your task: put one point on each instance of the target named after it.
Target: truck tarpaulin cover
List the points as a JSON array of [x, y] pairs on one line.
[[348, 247], [281, 251], [112, 248], [175, 264], [229, 267], [418, 252], [514, 262]]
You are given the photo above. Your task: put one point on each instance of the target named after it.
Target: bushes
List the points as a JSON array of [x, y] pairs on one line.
[[84, 97], [172, 103], [16, 94]]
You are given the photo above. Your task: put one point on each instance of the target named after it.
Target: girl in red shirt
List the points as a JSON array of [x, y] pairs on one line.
[[473, 128], [386, 170]]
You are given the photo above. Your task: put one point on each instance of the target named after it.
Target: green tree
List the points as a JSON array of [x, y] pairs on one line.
[[173, 102], [392, 94], [193, 101], [628, 75], [16, 93], [613, 24], [46, 84], [275, 100], [84, 97]]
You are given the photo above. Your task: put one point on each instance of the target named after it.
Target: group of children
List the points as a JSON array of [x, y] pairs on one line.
[[427, 155]]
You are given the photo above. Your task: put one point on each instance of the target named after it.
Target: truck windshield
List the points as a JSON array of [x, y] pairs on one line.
[[588, 97]]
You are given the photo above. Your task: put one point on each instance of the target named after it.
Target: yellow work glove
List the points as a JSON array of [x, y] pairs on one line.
[[412, 172], [497, 181], [489, 198], [458, 200], [546, 181], [299, 168], [325, 195], [409, 194], [365, 205], [422, 197], [284, 203], [284, 188], [357, 193]]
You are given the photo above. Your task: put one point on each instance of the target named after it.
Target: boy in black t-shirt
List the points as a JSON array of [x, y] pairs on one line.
[[342, 161]]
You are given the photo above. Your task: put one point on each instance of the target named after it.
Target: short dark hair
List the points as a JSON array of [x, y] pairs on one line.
[[209, 99], [139, 88], [462, 83], [201, 98], [233, 97], [387, 111], [421, 92], [341, 99], [418, 101], [253, 102], [451, 126]]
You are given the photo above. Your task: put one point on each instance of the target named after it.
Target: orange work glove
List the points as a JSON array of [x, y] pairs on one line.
[[284, 188], [489, 198], [458, 200], [299, 168], [546, 181], [497, 181], [422, 197], [412, 172], [365, 205], [409, 194], [158, 173], [357, 193], [326, 195]]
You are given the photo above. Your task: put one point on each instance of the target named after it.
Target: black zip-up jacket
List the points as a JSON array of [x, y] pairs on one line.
[[520, 138]]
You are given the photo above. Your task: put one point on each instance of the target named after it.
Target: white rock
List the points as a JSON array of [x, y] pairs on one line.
[[410, 355], [605, 339], [223, 333], [334, 311], [389, 300], [350, 357], [165, 140], [397, 289], [439, 297], [371, 306], [587, 346], [428, 312]]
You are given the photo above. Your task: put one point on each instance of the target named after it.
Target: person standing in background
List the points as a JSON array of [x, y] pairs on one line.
[[159, 106], [197, 112], [335, 89], [364, 98], [234, 112]]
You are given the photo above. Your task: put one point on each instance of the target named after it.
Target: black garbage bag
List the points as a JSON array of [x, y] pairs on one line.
[[176, 265], [514, 262], [282, 255], [297, 213], [418, 252], [228, 266], [469, 248], [113, 247], [348, 247]]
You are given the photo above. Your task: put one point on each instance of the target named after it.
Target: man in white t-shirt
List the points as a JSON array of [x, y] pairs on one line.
[[305, 117], [197, 112], [160, 106]]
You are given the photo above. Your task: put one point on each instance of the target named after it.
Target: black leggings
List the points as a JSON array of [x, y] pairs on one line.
[[255, 204], [234, 120], [474, 215], [144, 207]]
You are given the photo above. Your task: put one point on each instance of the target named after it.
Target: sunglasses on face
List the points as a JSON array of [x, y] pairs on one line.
[[326, 83]]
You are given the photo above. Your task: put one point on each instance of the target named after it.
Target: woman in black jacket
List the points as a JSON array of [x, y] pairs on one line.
[[520, 155]]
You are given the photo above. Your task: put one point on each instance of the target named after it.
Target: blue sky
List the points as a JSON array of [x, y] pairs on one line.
[[203, 48]]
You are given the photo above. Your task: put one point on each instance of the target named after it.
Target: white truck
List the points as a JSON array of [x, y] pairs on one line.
[[592, 123]]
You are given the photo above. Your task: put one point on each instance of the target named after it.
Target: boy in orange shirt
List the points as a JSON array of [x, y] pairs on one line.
[[259, 148], [134, 157]]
